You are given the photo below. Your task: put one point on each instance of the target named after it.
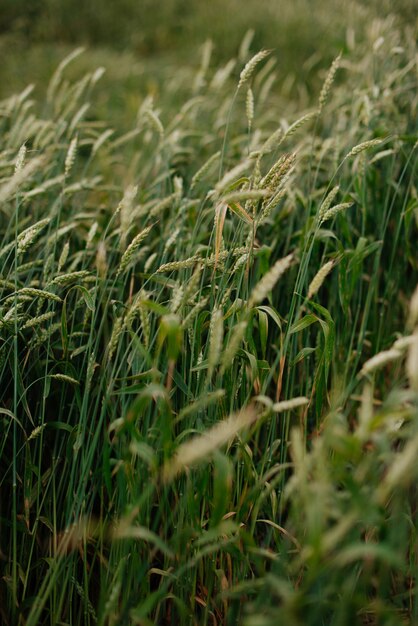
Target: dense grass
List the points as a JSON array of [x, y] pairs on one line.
[[194, 429], [305, 35]]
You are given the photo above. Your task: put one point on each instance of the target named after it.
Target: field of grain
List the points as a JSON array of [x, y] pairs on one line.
[[209, 315]]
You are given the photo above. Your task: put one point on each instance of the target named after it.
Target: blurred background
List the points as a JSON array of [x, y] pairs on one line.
[[140, 42]]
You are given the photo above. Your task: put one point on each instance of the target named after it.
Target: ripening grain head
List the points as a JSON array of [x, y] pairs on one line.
[[266, 284], [249, 68], [200, 447], [319, 278], [379, 360]]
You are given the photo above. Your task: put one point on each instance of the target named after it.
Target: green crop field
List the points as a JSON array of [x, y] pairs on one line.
[[208, 313]]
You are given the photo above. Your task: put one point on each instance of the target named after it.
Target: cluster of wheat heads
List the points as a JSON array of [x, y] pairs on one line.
[[208, 357]]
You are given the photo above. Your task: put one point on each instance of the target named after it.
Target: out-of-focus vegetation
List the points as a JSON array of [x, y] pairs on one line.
[[148, 26], [306, 35]]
